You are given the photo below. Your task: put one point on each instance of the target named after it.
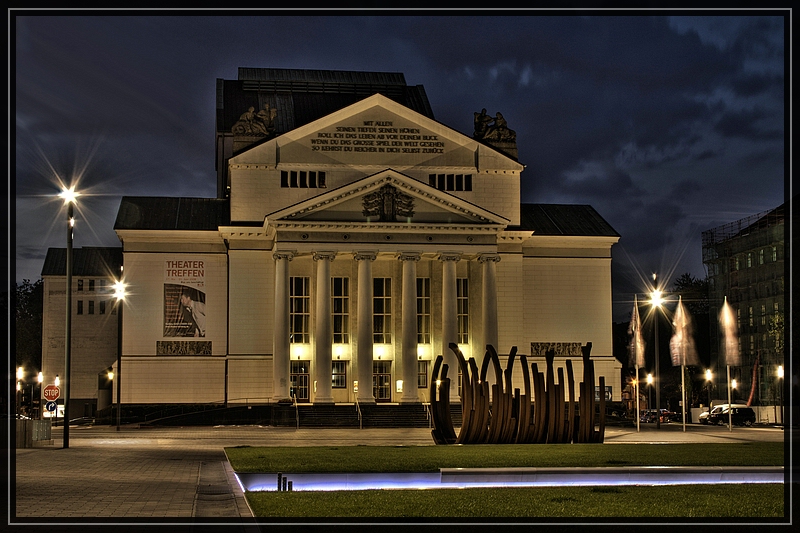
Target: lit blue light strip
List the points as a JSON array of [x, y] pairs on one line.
[[456, 478]]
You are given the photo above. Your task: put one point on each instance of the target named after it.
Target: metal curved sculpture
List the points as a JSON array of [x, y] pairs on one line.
[[539, 415]]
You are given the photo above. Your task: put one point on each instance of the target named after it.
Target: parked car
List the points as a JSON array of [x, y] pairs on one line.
[[703, 418], [740, 416]]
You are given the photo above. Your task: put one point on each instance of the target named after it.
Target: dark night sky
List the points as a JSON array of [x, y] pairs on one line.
[[667, 125]]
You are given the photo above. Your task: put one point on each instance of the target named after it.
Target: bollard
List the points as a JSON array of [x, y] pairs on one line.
[[284, 483], [280, 477], [290, 486]]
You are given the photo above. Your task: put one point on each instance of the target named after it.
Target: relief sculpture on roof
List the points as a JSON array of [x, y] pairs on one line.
[[387, 203], [261, 123]]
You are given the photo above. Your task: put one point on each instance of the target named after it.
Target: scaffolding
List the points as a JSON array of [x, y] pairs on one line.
[[744, 262]]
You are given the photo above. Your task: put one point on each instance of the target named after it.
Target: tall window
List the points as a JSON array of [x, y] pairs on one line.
[[80, 284], [750, 315], [382, 310], [339, 375], [761, 257], [424, 310], [300, 309], [763, 315], [91, 284], [80, 307], [91, 307], [462, 295], [102, 307], [422, 374], [340, 305], [774, 253]]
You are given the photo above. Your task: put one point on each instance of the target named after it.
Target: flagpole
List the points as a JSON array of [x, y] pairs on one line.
[[730, 409], [636, 388]]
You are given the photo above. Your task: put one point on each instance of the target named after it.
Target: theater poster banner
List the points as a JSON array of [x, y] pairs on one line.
[[184, 298]]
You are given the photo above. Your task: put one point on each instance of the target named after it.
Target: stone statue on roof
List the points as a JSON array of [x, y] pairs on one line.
[[259, 124], [495, 128]]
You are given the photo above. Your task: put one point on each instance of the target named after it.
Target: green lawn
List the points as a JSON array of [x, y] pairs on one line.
[[369, 459], [536, 504], [533, 503]]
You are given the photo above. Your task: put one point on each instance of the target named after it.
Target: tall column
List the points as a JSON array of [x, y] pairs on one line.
[[364, 334], [489, 300], [409, 324], [450, 317], [280, 350], [323, 336]]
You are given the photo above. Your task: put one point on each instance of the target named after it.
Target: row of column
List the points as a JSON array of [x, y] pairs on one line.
[[323, 334]]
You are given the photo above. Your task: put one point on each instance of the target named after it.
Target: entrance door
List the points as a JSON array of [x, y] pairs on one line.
[[299, 380], [382, 381]]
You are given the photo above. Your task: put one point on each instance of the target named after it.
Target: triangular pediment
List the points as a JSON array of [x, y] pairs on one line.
[[378, 132], [388, 197]]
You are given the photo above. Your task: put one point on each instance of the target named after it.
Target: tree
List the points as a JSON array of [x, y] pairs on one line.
[[28, 301]]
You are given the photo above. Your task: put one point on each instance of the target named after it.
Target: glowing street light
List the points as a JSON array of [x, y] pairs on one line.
[[70, 197], [656, 300], [780, 389], [650, 391], [709, 376], [119, 294], [39, 379]]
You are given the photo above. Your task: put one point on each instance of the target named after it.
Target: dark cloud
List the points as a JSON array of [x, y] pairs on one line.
[[667, 125]]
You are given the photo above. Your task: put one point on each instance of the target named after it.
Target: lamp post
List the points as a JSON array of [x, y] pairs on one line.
[[649, 391], [780, 390], [656, 300], [119, 294], [69, 196], [39, 380], [20, 394], [636, 391], [57, 383], [708, 384]]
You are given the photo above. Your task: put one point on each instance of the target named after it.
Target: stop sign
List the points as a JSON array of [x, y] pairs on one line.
[[51, 393]]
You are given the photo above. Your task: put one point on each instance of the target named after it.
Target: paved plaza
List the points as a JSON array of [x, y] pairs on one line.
[[181, 476]]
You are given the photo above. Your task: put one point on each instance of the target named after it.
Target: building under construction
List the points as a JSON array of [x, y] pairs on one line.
[[745, 264]]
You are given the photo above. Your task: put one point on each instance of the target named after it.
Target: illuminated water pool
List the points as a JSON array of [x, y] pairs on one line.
[[452, 478]]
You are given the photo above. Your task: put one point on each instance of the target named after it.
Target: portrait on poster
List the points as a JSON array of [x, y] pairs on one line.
[[184, 299]]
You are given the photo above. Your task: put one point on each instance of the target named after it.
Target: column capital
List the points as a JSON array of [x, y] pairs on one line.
[[324, 255], [368, 256], [283, 254], [409, 256], [482, 258], [450, 256]]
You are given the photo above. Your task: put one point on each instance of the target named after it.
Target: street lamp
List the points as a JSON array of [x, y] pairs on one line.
[[708, 385], [780, 389], [69, 196], [119, 294], [20, 394], [656, 299], [39, 380], [649, 391]]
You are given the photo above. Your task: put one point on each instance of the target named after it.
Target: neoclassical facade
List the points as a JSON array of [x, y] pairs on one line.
[[348, 246]]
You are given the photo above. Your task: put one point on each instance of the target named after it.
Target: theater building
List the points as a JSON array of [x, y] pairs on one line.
[[352, 239]]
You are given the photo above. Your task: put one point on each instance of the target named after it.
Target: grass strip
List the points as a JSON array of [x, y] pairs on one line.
[[388, 459], [543, 503]]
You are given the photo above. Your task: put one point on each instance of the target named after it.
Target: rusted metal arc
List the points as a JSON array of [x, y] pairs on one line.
[[467, 407], [555, 419], [551, 396], [436, 431], [571, 406], [524, 417], [539, 406]]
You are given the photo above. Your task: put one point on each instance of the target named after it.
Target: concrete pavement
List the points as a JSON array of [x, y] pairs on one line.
[[181, 476]]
